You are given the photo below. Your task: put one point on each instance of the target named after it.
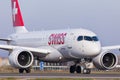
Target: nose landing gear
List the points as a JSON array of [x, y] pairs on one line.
[[86, 71]]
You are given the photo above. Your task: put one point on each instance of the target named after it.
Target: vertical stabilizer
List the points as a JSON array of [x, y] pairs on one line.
[[18, 23]]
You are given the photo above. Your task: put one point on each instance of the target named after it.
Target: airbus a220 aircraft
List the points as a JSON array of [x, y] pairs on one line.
[[78, 45]]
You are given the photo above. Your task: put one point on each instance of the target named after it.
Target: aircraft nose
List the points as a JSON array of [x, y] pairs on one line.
[[93, 50]]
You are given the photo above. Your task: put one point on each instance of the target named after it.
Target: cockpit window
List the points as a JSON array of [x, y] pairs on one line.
[[88, 38], [80, 38], [95, 38]]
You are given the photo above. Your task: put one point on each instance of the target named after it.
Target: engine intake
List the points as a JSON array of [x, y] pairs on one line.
[[20, 58], [106, 60], [109, 60]]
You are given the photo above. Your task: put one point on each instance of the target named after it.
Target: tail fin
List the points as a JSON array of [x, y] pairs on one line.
[[18, 23]]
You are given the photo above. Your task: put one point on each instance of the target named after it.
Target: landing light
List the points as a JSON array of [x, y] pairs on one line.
[[60, 58]]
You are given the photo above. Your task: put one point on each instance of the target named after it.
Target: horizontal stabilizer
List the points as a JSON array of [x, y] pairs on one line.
[[5, 39]]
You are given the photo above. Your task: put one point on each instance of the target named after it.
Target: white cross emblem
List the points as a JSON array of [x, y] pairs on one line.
[[15, 11]]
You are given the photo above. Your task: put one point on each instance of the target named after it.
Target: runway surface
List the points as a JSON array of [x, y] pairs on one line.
[[58, 75]]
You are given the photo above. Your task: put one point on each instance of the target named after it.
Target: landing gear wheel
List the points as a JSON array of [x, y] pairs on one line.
[[72, 69], [86, 71], [78, 69], [21, 70], [28, 70]]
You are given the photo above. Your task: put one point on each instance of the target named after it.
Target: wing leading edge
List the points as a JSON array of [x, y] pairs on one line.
[[111, 47], [33, 50]]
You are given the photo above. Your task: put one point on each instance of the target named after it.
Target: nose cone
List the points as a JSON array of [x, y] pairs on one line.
[[92, 50], [95, 50]]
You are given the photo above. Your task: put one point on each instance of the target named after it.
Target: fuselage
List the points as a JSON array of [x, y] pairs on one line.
[[66, 44]]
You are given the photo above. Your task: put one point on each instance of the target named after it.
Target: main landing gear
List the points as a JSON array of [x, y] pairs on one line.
[[81, 66], [21, 70], [78, 69]]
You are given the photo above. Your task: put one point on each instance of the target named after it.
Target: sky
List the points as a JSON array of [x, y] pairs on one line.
[[99, 16]]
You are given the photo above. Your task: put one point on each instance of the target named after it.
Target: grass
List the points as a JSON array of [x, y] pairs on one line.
[[8, 79], [57, 79], [61, 79]]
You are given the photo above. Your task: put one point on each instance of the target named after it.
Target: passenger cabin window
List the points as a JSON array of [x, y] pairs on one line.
[[80, 38]]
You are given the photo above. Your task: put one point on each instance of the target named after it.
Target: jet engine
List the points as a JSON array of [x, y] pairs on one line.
[[105, 61], [20, 58]]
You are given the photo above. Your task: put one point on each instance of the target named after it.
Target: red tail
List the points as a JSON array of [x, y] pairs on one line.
[[17, 17], [18, 23]]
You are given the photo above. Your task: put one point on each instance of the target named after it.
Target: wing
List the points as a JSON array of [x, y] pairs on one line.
[[111, 47], [33, 50]]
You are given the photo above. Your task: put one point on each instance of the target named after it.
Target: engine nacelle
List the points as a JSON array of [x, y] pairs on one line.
[[20, 58], [105, 61]]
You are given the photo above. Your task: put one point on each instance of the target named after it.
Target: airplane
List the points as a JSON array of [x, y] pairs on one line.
[[81, 46]]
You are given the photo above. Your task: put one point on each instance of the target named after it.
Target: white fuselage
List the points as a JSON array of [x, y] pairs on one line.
[[64, 44]]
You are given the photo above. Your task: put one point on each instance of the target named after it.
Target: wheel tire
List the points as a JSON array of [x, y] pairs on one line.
[[28, 70], [78, 69], [86, 71], [21, 70], [72, 69]]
